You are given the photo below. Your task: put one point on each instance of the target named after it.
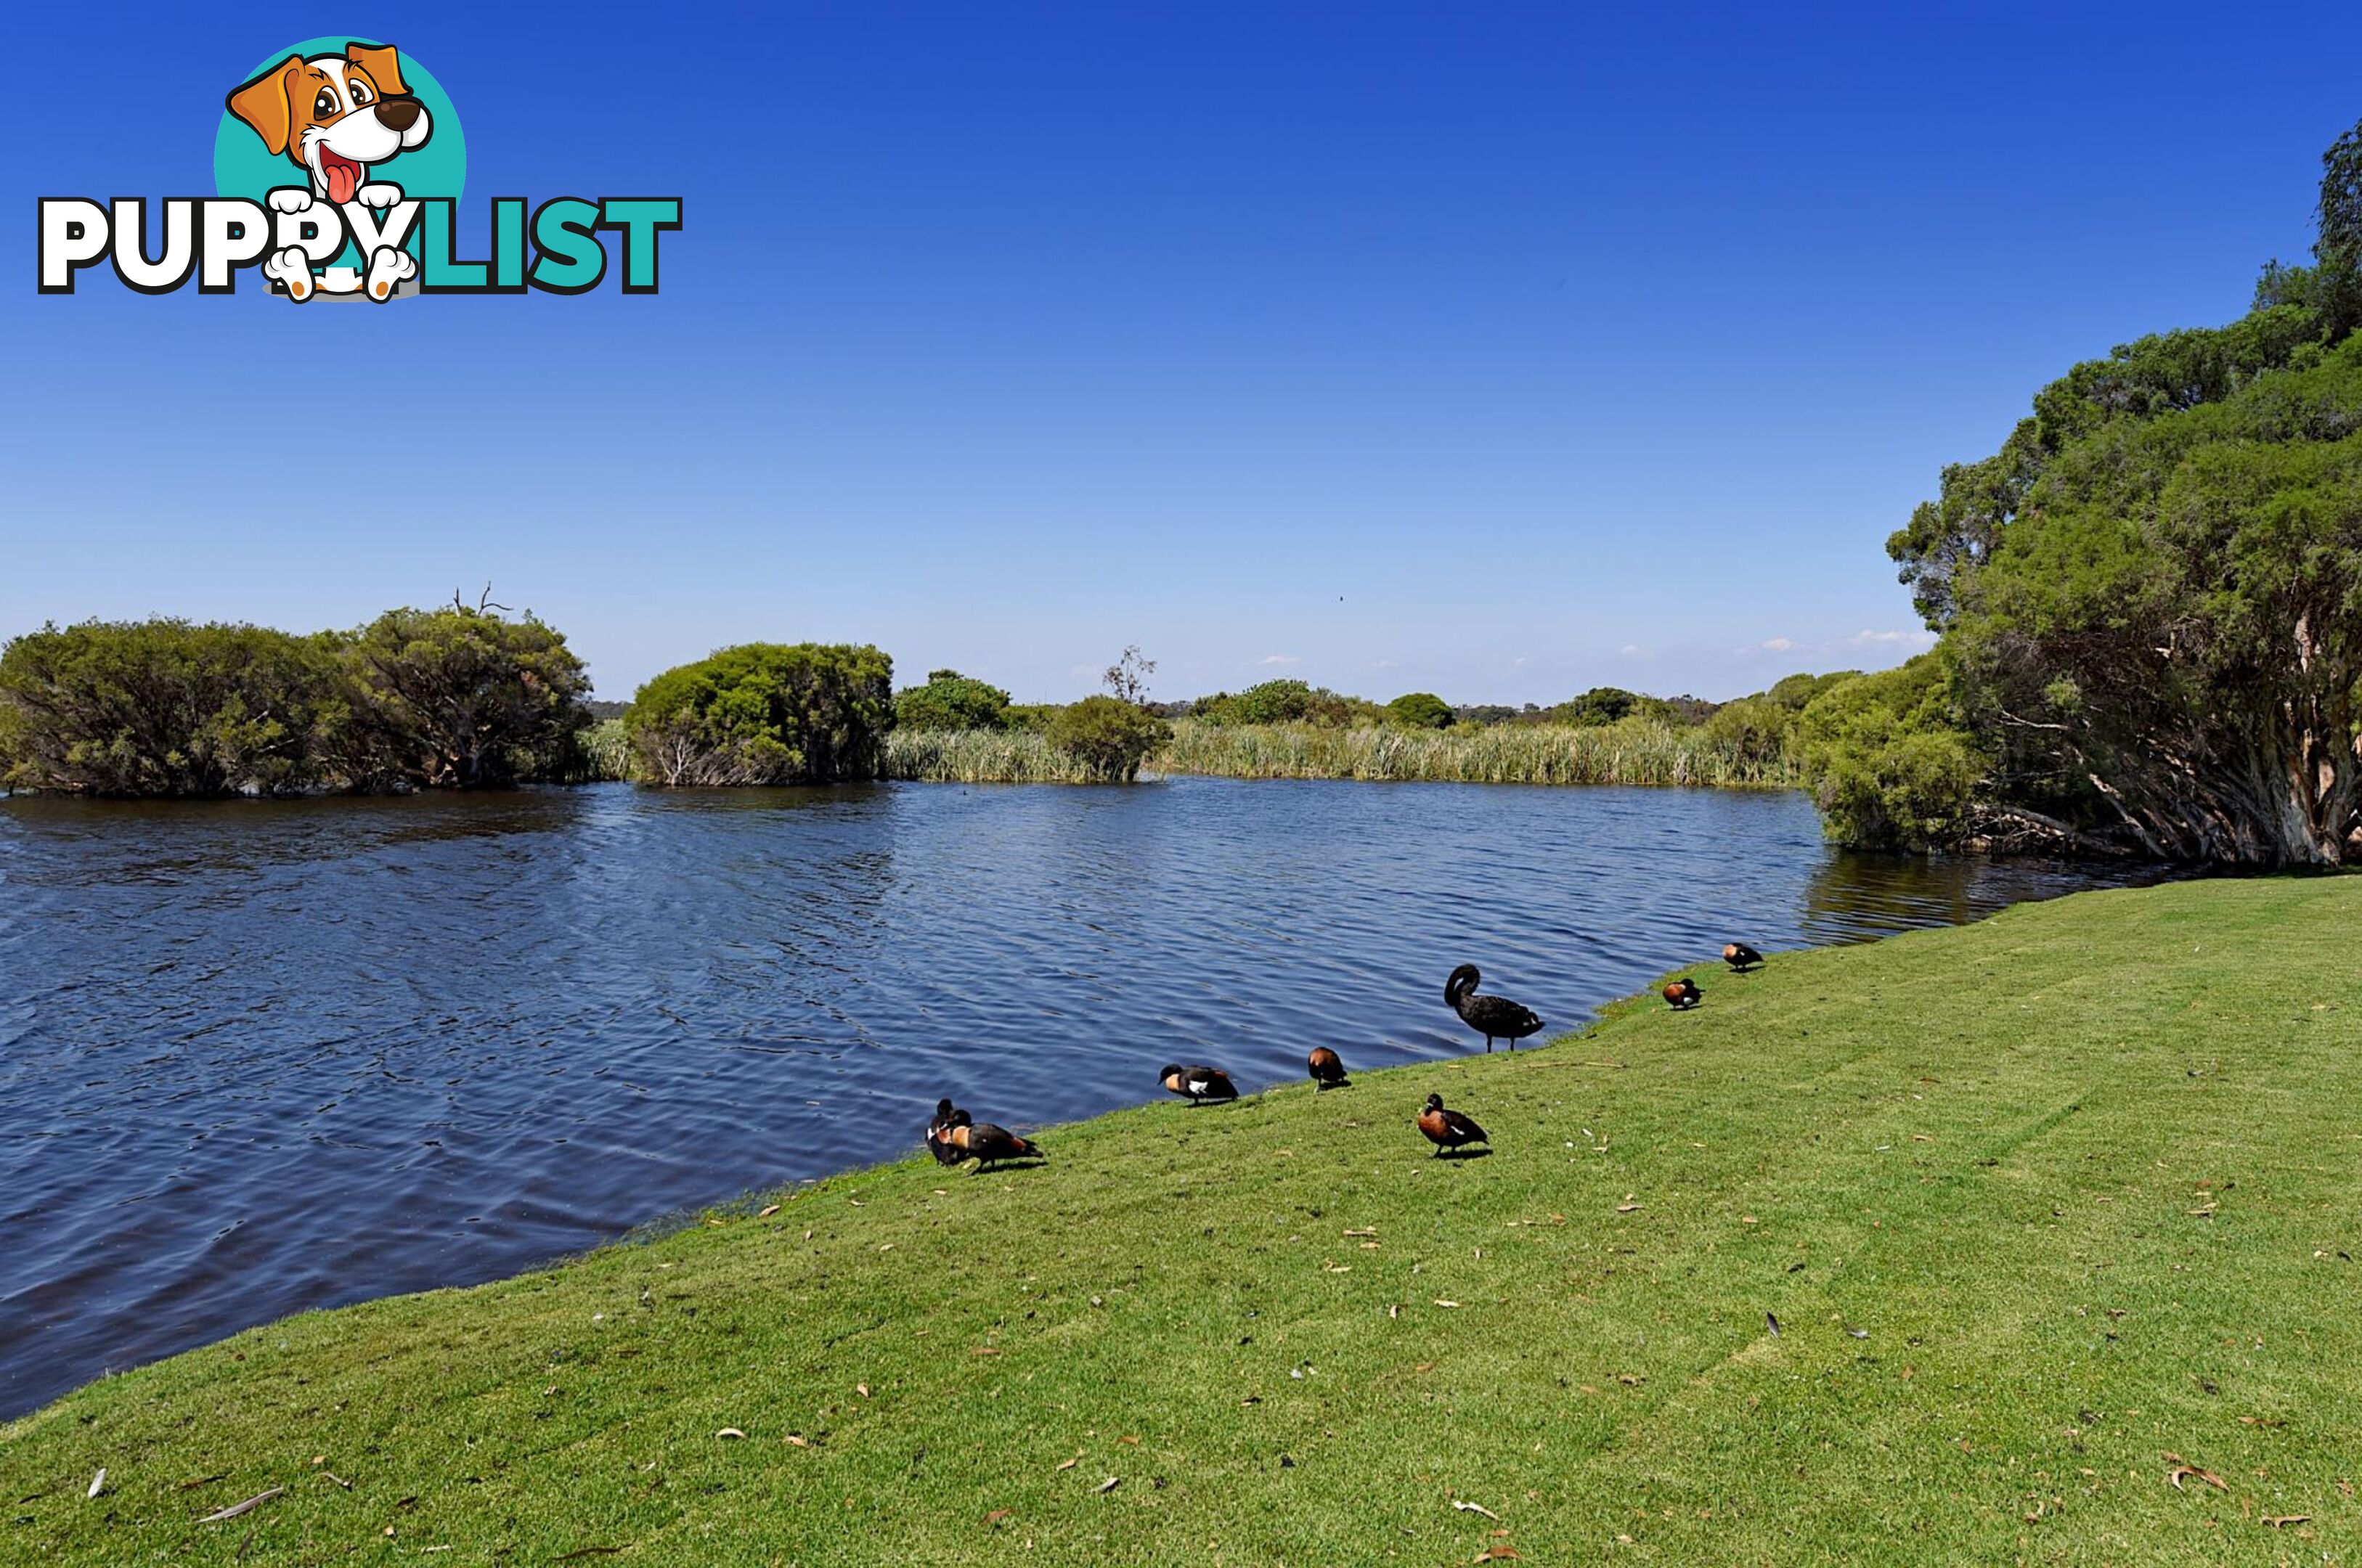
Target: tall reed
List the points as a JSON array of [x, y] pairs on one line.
[[979, 757], [1635, 751]]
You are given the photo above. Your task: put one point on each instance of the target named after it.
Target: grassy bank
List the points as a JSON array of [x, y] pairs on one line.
[[2037, 1203], [1633, 751]]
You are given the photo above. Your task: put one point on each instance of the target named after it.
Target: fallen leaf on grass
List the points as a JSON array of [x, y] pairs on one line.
[[1497, 1553], [1439, 1301], [1110, 1484], [1626, 1207], [1631, 1379], [1466, 1508], [995, 1517], [1070, 1463], [1424, 1366], [767, 1211], [986, 1350], [203, 1481], [1365, 1231], [2282, 1521], [1133, 1440], [862, 1389], [97, 1483], [237, 1509], [797, 1439], [729, 1432], [1251, 1399], [2183, 1468], [337, 1479]]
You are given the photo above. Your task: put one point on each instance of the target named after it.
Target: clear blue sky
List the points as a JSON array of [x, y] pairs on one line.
[[1496, 350]]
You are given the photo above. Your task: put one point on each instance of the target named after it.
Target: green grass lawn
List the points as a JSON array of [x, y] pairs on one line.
[[2037, 1203]]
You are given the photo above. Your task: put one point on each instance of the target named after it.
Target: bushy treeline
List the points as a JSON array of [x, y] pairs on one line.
[[2150, 602], [452, 697], [1290, 702]]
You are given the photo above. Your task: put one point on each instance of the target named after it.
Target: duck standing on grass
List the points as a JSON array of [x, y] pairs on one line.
[[1741, 957], [1326, 1068], [1448, 1130], [1197, 1083], [939, 1130], [984, 1143], [1684, 994], [1493, 1017]]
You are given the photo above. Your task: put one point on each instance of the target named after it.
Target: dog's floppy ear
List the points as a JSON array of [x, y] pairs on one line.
[[262, 103], [384, 63]]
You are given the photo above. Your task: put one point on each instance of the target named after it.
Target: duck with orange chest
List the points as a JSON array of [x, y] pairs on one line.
[[1449, 1130], [1741, 957], [1326, 1068], [1684, 994], [1197, 1083], [939, 1127]]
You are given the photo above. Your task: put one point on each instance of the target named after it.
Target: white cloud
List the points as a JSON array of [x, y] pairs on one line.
[[1778, 645], [1892, 639], [1519, 662], [1277, 658], [1633, 650]]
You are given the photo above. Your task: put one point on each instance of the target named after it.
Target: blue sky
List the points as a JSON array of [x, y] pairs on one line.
[[1500, 351]]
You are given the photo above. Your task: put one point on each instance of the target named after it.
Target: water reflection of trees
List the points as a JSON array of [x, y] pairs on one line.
[[1854, 896]]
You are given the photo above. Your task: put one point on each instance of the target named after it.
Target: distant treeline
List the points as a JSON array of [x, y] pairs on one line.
[[461, 697]]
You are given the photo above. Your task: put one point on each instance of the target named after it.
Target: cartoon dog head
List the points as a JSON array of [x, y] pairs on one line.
[[334, 115]]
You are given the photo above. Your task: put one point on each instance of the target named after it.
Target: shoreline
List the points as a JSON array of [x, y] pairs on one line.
[[1901, 1120]]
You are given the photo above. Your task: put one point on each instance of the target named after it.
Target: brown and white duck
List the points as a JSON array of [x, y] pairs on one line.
[[1449, 1130], [1197, 1083]]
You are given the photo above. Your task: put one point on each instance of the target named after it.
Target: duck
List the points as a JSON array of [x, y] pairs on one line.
[[938, 1128], [1684, 994], [984, 1143], [1493, 1017], [1326, 1068], [1448, 1130], [1197, 1083], [1741, 957]]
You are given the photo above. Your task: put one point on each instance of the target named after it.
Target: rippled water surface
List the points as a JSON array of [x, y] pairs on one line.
[[260, 1057]]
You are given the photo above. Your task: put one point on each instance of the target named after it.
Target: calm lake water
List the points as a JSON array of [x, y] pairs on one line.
[[257, 1057]]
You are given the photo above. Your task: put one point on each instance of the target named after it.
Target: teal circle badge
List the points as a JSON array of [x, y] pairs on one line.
[[246, 165]]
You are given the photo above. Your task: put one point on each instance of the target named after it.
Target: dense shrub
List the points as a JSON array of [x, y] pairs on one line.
[[950, 701], [1108, 736], [166, 707], [765, 713], [1419, 711], [460, 698], [1892, 767]]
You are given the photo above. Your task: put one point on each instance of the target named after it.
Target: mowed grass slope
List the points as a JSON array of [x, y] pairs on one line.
[[2037, 1203]]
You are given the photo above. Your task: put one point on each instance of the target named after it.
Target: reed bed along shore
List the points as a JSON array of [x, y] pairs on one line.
[[1633, 752], [980, 756]]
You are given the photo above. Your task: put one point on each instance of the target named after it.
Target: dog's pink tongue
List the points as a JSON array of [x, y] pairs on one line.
[[342, 181]]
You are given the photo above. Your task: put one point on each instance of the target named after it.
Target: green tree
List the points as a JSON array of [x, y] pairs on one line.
[[1282, 702], [1107, 736], [460, 698], [1419, 711], [950, 701], [167, 707], [765, 713]]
